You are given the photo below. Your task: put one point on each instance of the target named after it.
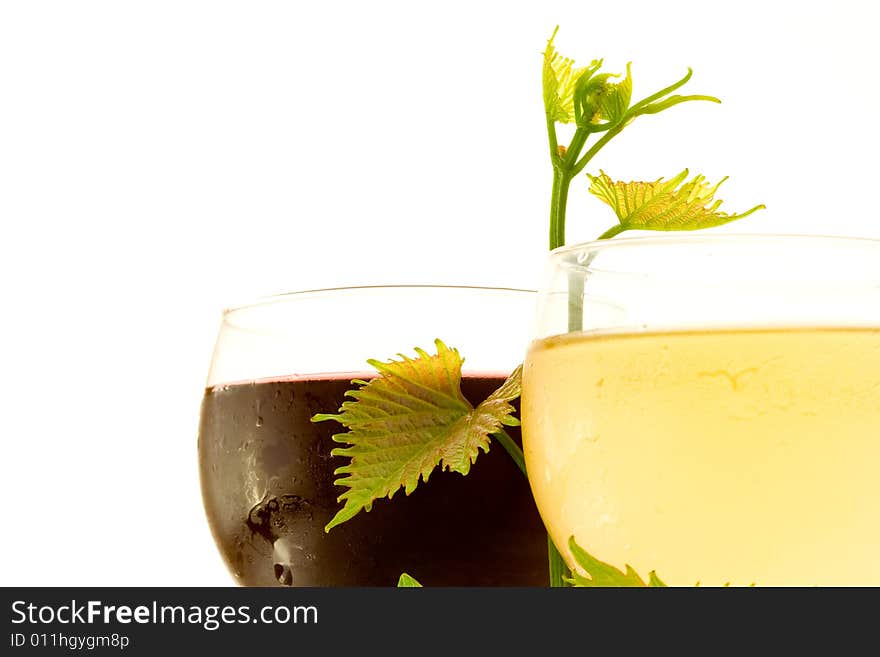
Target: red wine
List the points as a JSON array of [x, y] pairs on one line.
[[267, 482]]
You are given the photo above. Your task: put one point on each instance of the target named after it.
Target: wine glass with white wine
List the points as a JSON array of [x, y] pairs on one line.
[[708, 407]]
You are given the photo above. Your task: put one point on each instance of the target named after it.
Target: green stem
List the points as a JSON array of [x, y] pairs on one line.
[[554, 146], [644, 102], [565, 167], [611, 232], [558, 569], [575, 147], [562, 176], [511, 448], [595, 148], [558, 202]]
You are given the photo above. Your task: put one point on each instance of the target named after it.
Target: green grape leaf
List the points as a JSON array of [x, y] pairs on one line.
[[601, 574], [614, 103], [674, 204], [407, 421], [581, 96], [588, 94], [654, 581], [408, 582], [560, 79]]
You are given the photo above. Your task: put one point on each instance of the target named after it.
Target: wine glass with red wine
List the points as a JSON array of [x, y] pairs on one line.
[[266, 469]]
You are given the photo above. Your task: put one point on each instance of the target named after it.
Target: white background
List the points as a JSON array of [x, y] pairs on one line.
[[162, 160]]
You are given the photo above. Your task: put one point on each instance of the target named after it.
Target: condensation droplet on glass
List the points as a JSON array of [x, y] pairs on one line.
[[285, 555], [283, 574], [259, 420], [605, 520]]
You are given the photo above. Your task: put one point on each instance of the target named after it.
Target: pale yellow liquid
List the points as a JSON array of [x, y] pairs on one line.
[[742, 456]]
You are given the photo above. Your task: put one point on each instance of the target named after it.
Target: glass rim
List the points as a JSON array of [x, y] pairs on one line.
[[700, 238], [282, 297]]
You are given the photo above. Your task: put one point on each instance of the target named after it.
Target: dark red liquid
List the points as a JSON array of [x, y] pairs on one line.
[[267, 482]]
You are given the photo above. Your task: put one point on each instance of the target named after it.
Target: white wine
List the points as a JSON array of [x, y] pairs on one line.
[[712, 457]]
